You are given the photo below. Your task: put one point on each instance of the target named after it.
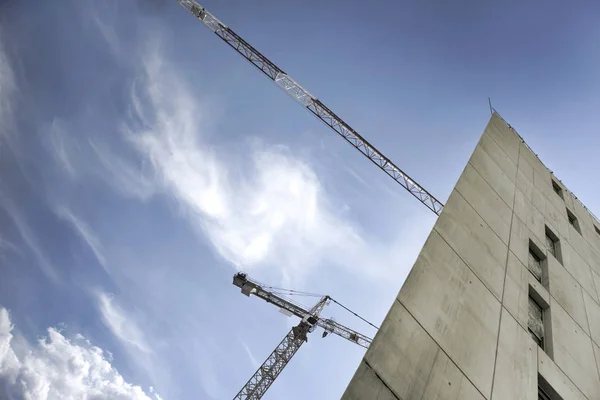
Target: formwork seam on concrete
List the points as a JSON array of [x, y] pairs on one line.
[[505, 273]]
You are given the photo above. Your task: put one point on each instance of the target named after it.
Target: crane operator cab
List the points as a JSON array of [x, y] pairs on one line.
[[240, 280], [312, 321]]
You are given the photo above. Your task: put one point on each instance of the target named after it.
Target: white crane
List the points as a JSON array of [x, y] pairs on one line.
[[310, 319], [311, 103]]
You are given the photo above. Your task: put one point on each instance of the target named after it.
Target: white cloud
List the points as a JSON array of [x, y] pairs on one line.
[[7, 89], [253, 359], [122, 325], [56, 367], [109, 35], [85, 156], [85, 232], [130, 329], [8, 97], [125, 177], [153, 391], [29, 238], [269, 212]]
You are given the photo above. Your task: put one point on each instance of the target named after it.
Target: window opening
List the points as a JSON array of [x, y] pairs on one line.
[[573, 221], [551, 244], [557, 189], [536, 322], [542, 395], [535, 265]]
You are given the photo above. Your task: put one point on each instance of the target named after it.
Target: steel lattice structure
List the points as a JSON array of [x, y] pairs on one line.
[[250, 286], [262, 379], [311, 103], [274, 364], [266, 374]]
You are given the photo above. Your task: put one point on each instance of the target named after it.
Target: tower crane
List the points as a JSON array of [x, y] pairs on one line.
[[311, 103], [310, 318]]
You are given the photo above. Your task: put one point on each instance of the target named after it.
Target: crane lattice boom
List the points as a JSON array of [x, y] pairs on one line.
[[249, 287], [262, 379], [311, 103], [266, 374]]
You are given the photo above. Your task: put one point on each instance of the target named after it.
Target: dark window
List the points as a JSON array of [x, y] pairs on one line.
[[573, 221], [535, 323], [557, 189], [545, 391], [542, 395], [597, 229], [535, 265], [551, 244]]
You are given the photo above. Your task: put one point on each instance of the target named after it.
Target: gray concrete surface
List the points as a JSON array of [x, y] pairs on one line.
[[458, 328]]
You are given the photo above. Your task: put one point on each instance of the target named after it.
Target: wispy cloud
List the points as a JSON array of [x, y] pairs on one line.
[[140, 341], [124, 177], [108, 34], [253, 359], [29, 238], [7, 88], [122, 325], [82, 157], [59, 144], [8, 96], [85, 233], [268, 210], [59, 367]]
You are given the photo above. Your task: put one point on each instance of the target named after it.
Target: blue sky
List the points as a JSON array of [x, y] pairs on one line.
[[143, 162]]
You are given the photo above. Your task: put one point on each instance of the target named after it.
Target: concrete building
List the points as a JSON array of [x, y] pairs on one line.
[[503, 301]]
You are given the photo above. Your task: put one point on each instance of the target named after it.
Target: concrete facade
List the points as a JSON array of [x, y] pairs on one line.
[[460, 326]]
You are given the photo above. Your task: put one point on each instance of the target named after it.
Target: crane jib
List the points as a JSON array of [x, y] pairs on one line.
[[310, 319], [315, 106]]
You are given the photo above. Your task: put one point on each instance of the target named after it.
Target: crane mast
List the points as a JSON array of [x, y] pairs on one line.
[[311, 103], [266, 374]]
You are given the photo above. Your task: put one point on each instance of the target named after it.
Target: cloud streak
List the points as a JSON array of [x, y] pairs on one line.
[[122, 325], [138, 338], [8, 107], [124, 177], [265, 211], [29, 238], [7, 89], [59, 367], [85, 233], [59, 150], [253, 359]]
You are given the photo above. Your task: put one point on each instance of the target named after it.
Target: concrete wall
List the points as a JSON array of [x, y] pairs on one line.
[[458, 328]]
